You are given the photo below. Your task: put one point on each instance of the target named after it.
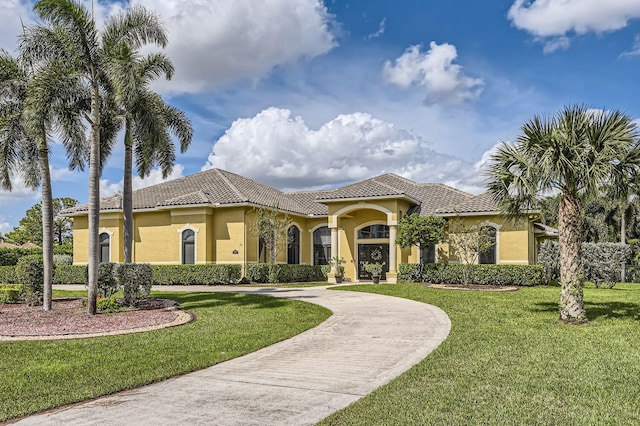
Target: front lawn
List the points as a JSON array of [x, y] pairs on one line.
[[509, 361], [43, 374]]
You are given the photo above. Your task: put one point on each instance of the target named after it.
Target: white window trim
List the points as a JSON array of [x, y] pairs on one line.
[[195, 243], [299, 243], [110, 234]]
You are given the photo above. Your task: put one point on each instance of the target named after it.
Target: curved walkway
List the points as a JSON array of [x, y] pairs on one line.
[[368, 341]]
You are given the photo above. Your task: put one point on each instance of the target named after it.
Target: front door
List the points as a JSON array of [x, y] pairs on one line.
[[364, 255]]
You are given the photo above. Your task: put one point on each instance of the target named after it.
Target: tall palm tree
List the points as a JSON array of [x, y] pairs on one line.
[[147, 120], [70, 36], [32, 102], [573, 153]]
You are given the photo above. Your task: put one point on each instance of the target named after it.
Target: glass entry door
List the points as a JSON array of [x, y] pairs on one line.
[[365, 252]]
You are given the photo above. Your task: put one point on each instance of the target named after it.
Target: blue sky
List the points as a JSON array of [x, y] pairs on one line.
[[304, 94]]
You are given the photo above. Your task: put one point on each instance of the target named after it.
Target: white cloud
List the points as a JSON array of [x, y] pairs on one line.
[[380, 31], [552, 20], [108, 189], [10, 27], [5, 226], [214, 42], [280, 150], [443, 80]]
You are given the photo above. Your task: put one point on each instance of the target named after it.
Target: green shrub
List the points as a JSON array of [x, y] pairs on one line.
[[11, 256], [196, 274], [519, 275], [135, 280], [8, 275], [601, 263], [282, 273], [70, 274], [62, 259], [30, 273], [10, 293], [109, 305], [107, 281]]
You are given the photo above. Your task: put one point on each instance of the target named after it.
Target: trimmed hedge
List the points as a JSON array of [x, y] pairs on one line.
[[519, 275], [8, 275], [10, 293], [70, 274], [11, 256], [282, 273], [196, 274], [135, 281]]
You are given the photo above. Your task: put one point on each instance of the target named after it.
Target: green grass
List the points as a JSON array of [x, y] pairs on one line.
[[44, 374], [509, 361]]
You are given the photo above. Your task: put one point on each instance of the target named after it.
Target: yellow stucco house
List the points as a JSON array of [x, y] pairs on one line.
[[207, 218]]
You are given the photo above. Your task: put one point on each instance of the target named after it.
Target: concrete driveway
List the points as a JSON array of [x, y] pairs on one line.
[[368, 341]]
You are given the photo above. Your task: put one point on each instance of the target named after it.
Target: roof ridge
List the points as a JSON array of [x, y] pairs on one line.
[[449, 187], [231, 185], [387, 185], [406, 180]]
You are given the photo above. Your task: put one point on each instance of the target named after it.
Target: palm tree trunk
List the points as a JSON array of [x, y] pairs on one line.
[[623, 239], [47, 223], [94, 201], [127, 194], [571, 298]]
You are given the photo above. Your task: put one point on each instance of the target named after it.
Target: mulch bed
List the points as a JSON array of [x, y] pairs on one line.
[[68, 316]]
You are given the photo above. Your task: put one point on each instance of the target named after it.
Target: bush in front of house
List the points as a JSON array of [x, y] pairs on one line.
[[10, 293], [107, 282], [601, 263], [439, 273], [62, 259], [135, 280], [8, 275], [196, 274], [30, 273], [70, 274], [283, 273]]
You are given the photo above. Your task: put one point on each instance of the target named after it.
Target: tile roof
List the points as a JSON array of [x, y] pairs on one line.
[[217, 187], [478, 204], [429, 196]]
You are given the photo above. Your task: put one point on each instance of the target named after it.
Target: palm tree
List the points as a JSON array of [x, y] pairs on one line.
[[147, 119], [573, 153], [70, 37], [32, 103]]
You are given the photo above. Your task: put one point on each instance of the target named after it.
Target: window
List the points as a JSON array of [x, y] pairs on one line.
[[321, 246], [489, 256], [373, 232], [105, 249], [188, 247], [293, 248], [428, 254]]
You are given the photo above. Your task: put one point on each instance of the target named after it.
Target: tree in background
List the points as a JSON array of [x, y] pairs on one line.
[[574, 153], [29, 228], [421, 231], [271, 228]]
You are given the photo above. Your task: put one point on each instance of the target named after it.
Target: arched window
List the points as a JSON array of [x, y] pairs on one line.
[[489, 255], [293, 248], [321, 246], [188, 247], [373, 232], [105, 249]]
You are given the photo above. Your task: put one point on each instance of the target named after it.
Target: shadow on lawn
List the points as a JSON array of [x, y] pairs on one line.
[[208, 300], [604, 310]]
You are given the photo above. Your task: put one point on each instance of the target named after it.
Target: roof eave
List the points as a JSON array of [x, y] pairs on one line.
[[376, 197]]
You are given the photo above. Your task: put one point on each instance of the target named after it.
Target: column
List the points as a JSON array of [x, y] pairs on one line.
[[393, 251], [334, 247]]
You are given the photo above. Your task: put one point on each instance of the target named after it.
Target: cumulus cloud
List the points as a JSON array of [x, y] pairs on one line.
[[214, 42], [552, 20], [5, 226], [108, 189], [10, 27], [434, 70], [279, 149]]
